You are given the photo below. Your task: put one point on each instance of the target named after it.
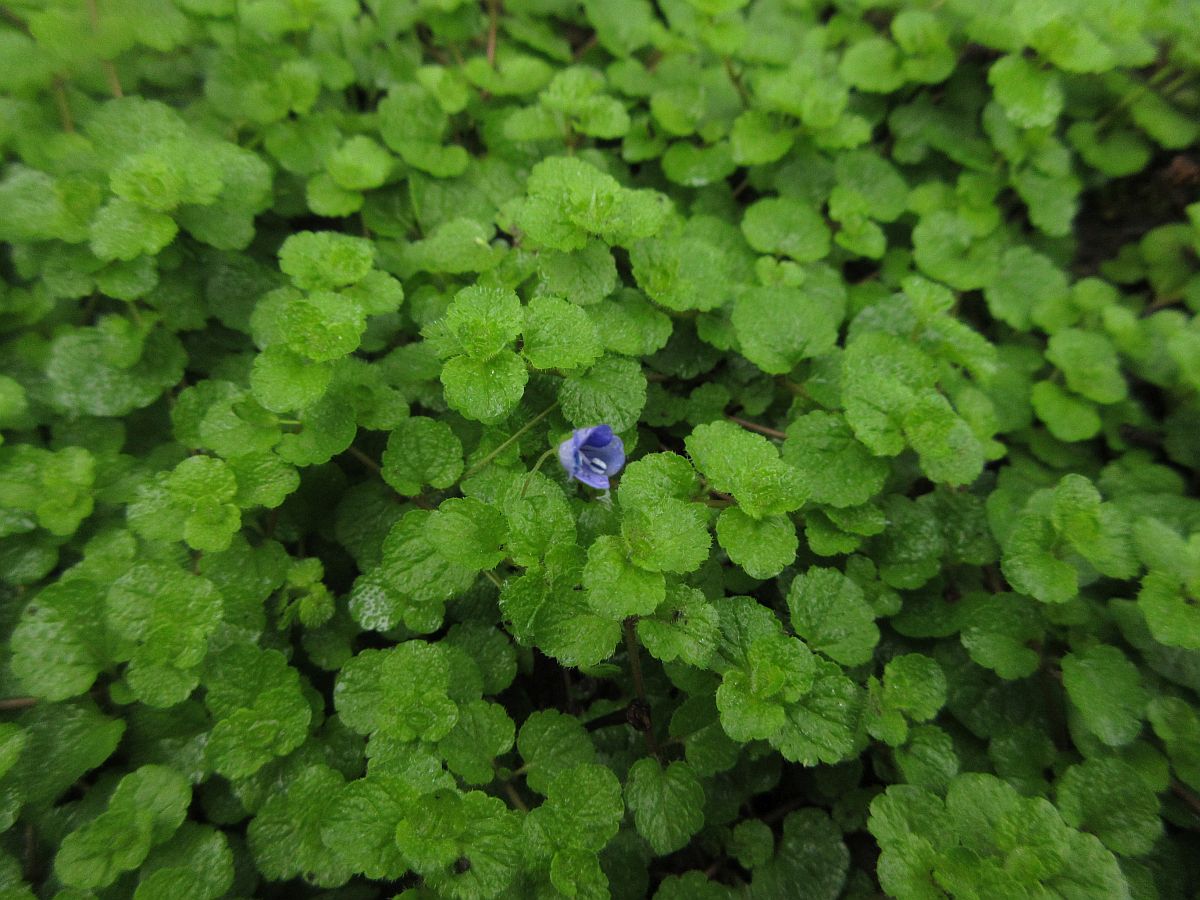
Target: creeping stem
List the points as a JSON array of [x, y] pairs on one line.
[[508, 442], [643, 721]]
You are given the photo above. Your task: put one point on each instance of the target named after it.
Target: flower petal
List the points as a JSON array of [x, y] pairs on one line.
[[601, 436], [590, 478], [612, 453], [582, 435], [568, 455]]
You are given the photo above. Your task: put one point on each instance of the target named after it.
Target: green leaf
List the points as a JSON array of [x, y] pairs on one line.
[[616, 589], [468, 533], [557, 619], [412, 582], [757, 140], [163, 618], [685, 627], [823, 725], [997, 630], [283, 381], [124, 230], [1026, 281], [867, 184], [159, 793], [201, 488], [260, 710], [914, 684], [538, 518], [1031, 566], [872, 65], [690, 165], [622, 28], [285, 835], [479, 830], [1108, 797], [928, 758], [402, 692], [421, 451], [146, 809], [58, 646], [1031, 97], [485, 390], [96, 854], [747, 466], [584, 276], [484, 320], [693, 266], [360, 826], [455, 246], [778, 327], [577, 873], [834, 467], [196, 862], [670, 536], [829, 611], [13, 739], [945, 249], [1171, 614], [763, 547], [359, 164], [949, 450], [583, 807], [881, 377], [786, 227], [1106, 690], [483, 732], [570, 200], [612, 392], [325, 260], [412, 124], [1089, 362], [550, 743], [559, 335], [811, 853], [667, 804], [1067, 417], [629, 325], [66, 740], [322, 325], [1177, 725]]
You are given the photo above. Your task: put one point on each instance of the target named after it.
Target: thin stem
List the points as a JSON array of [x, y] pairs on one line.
[[513, 796], [1134, 95], [493, 25], [64, 107], [507, 443], [585, 47], [781, 811], [737, 80], [18, 702], [1180, 791], [632, 650], [537, 465], [491, 576], [16, 21], [110, 71], [754, 426], [365, 460]]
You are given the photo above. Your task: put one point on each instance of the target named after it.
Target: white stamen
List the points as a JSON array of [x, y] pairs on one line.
[[597, 465]]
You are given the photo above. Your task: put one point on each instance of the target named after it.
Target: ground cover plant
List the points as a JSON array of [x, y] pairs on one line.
[[689, 449]]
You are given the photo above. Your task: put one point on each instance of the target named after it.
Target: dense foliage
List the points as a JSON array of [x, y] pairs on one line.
[[893, 306]]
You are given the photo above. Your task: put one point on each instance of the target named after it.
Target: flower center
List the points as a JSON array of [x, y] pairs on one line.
[[596, 464]]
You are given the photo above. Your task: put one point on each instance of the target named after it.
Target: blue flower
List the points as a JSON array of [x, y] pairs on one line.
[[592, 454]]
